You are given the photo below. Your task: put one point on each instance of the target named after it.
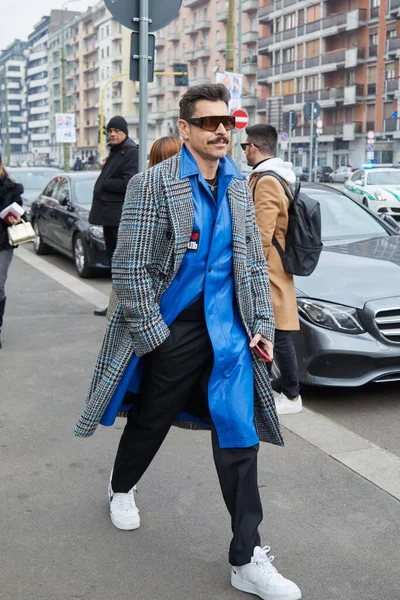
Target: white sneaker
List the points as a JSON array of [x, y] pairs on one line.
[[284, 406], [124, 513], [259, 577]]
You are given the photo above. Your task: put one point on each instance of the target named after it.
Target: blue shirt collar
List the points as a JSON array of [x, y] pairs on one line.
[[189, 166]]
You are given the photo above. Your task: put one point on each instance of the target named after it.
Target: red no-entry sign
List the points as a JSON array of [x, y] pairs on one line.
[[242, 118]]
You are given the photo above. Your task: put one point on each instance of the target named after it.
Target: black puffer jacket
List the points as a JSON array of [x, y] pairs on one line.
[[109, 191], [9, 192]]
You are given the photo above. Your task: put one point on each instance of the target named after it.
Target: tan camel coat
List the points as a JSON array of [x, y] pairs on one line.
[[271, 209]]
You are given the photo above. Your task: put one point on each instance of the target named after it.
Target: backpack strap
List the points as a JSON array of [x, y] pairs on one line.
[[289, 196]]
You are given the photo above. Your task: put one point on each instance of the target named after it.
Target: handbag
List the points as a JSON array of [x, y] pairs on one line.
[[20, 233]]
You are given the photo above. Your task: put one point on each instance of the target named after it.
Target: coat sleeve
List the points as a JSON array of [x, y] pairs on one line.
[[118, 185], [130, 275], [260, 287], [267, 203]]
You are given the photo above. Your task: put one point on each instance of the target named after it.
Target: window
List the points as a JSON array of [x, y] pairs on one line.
[[371, 74], [195, 16], [288, 87], [311, 83], [102, 53], [217, 36], [391, 34], [390, 70], [288, 55], [108, 50], [195, 72], [205, 40], [108, 31], [373, 39], [312, 48], [375, 3], [63, 191], [205, 13], [290, 21], [204, 69]]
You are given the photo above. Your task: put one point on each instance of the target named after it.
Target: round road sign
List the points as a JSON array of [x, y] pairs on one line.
[[371, 135], [242, 118], [319, 124], [310, 107], [160, 13], [284, 136]]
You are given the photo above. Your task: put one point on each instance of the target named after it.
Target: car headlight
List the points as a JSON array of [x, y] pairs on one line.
[[379, 196], [97, 231], [330, 316]]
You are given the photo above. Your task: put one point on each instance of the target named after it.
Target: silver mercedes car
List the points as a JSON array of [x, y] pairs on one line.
[[349, 308]]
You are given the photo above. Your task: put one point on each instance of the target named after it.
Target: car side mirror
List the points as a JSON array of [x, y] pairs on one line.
[[391, 221], [64, 201]]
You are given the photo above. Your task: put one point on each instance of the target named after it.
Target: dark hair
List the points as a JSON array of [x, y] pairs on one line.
[[210, 91], [263, 136], [164, 148]]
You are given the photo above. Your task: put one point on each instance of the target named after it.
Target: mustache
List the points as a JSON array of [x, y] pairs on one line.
[[221, 138]]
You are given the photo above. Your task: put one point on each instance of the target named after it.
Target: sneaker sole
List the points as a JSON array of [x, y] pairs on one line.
[[289, 411], [124, 526], [252, 588]]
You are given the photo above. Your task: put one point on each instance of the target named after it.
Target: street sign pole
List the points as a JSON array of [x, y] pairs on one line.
[[290, 136], [310, 177], [143, 79]]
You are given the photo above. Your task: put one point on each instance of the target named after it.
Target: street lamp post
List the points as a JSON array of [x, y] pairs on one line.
[[64, 83]]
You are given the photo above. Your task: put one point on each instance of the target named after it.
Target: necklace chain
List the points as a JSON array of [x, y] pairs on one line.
[[213, 183]]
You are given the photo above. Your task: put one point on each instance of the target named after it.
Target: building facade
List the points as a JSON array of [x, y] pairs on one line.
[[13, 113], [344, 55]]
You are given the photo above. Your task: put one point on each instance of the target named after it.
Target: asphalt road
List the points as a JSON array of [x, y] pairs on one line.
[[330, 497]]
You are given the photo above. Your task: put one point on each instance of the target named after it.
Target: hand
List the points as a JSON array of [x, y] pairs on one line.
[[14, 220], [264, 344]]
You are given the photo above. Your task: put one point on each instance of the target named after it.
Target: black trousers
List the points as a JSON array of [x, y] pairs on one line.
[[172, 375], [110, 240], [285, 355]]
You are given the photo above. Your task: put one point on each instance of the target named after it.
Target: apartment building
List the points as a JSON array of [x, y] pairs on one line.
[[197, 37], [13, 115], [342, 54], [38, 93]]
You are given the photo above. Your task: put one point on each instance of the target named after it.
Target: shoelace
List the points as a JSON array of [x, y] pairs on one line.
[[126, 501], [262, 560]]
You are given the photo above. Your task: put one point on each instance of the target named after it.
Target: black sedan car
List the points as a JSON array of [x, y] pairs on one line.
[[349, 308], [34, 180], [60, 220]]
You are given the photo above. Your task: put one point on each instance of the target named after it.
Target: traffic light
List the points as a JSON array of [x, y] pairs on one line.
[[182, 79]]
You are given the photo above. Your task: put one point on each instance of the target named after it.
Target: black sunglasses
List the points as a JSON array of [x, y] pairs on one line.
[[212, 123], [243, 146]]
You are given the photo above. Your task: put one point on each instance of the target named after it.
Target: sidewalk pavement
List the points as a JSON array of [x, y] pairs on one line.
[[333, 532]]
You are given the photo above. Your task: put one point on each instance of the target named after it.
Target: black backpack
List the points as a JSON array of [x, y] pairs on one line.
[[303, 236]]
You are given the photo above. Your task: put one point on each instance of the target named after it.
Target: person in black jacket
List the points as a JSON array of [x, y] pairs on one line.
[[9, 192], [109, 191]]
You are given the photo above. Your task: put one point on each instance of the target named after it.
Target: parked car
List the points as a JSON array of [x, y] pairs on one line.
[[349, 308], [34, 180], [301, 173], [322, 173], [340, 175], [60, 220], [378, 188]]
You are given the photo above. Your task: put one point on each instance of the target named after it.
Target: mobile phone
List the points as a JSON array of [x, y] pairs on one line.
[[262, 354]]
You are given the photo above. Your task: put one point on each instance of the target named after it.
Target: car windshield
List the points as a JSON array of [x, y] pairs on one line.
[[32, 180], [344, 219], [383, 178], [83, 189]]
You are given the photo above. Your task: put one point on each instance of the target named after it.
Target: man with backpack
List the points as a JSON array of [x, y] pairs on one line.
[[271, 200]]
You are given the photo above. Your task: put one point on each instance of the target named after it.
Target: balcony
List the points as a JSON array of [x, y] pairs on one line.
[[188, 30], [354, 57], [174, 89], [391, 86], [159, 41], [160, 67], [326, 98], [174, 36], [189, 56], [261, 106], [392, 126], [249, 101], [156, 115], [172, 113], [394, 8], [194, 3], [394, 47], [249, 66], [202, 25], [222, 17], [154, 92], [250, 5], [353, 94], [202, 53], [221, 46], [200, 81], [335, 57], [250, 37]]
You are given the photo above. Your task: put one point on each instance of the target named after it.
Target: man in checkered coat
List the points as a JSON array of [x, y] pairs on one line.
[[192, 331]]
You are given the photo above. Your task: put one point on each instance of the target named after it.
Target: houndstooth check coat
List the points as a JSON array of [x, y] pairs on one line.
[[153, 237]]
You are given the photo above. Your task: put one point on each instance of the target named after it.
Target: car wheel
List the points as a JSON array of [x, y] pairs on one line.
[[81, 257], [39, 245], [365, 202]]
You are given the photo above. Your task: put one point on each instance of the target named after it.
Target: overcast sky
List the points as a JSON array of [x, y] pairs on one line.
[[17, 18]]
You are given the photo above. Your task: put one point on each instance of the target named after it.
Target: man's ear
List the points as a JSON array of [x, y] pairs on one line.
[[183, 127]]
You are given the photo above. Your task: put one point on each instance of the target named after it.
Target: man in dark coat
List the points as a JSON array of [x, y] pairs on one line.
[[109, 191]]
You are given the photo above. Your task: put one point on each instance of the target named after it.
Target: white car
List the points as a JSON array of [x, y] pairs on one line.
[[340, 175], [378, 188]]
